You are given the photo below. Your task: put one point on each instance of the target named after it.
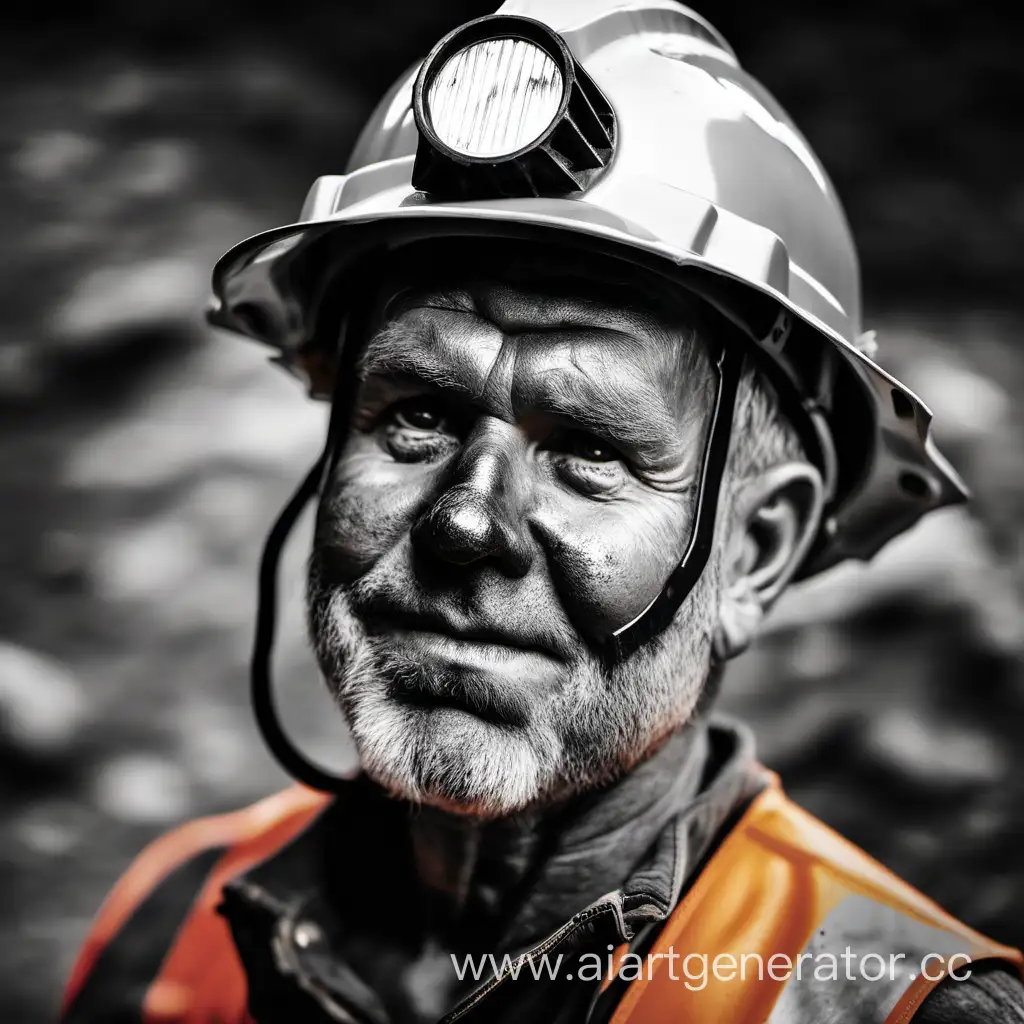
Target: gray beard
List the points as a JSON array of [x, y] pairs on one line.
[[599, 724]]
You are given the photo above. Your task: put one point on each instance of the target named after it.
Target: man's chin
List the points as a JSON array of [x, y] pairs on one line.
[[450, 757]]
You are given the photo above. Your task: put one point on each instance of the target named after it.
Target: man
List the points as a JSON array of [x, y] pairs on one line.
[[587, 311]]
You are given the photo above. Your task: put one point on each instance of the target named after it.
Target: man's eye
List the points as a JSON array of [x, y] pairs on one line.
[[419, 414], [589, 447]]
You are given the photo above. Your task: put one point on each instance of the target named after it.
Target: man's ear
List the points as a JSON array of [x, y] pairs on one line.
[[775, 521]]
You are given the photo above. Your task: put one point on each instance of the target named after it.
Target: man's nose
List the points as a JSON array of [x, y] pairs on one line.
[[480, 514]]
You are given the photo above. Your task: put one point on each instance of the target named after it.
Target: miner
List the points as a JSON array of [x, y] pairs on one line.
[[586, 309]]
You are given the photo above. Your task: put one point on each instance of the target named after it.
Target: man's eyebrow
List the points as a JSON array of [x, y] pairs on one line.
[[409, 349], [626, 412]]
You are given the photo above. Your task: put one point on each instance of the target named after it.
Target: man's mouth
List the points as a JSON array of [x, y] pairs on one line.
[[469, 667], [481, 640], [432, 691]]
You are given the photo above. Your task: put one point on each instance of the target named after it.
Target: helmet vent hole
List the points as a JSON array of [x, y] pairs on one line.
[[915, 484], [902, 406]]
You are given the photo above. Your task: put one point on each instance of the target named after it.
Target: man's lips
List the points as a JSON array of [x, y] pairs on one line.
[[498, 705], [452, 660], [433, 621]]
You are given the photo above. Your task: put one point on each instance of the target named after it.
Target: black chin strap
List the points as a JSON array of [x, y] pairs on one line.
[[653, 620], [288, 755], [261, 683]]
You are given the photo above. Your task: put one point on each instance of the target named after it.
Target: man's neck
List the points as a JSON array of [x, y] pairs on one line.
[[505, 884]]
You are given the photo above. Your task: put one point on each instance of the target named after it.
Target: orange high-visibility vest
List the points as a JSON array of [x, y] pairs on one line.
[[782, 891]]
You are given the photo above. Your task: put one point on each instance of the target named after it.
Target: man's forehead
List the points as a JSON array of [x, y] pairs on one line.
[[600, 304], [476, 318]]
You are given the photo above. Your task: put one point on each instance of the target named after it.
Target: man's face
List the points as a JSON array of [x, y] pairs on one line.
[[517, 483]]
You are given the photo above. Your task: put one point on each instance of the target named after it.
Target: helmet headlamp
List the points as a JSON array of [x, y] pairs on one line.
[[503, 108]]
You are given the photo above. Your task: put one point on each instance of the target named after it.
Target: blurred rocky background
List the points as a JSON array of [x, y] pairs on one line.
[[142, 456]]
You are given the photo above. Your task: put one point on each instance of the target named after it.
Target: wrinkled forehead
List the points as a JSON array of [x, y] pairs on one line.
[[569, 329]]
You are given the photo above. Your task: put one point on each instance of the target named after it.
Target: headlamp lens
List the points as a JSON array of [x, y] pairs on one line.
[[495, 97]]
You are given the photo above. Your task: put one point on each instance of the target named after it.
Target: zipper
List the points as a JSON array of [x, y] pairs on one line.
[[556, 938]]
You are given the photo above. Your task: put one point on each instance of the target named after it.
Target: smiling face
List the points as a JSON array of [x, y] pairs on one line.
[[517, 483]]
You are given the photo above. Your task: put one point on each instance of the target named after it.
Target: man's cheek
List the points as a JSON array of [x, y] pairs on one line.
[[609, 566], [365, 513]]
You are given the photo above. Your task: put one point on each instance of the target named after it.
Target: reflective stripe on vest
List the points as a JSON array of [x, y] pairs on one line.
[[783, 884]]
